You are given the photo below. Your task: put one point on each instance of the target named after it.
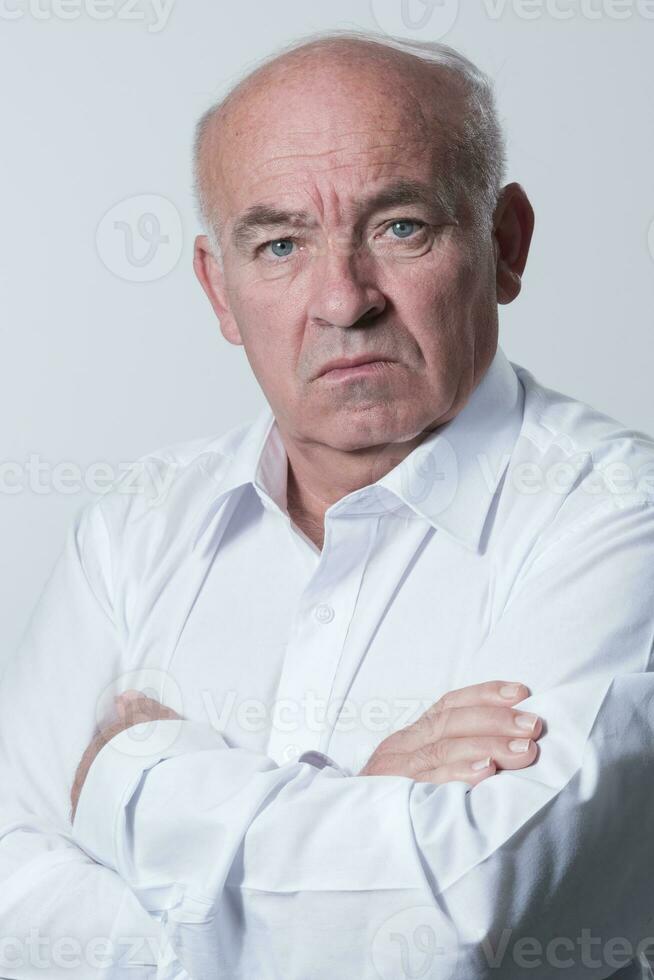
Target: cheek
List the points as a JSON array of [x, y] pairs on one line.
[[271, 331], [442, 303], [271, 316], [438, 290], [442, 271], [268, 296]]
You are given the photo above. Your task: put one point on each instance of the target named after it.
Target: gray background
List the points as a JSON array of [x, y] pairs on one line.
[[109, 353]]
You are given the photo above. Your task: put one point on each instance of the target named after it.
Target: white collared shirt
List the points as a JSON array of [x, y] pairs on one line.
[[515, 543]]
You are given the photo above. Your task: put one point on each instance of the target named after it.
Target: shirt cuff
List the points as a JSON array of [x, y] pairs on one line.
[[115, 774]]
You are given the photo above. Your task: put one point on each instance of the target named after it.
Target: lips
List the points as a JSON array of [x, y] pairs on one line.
[[350, 362]]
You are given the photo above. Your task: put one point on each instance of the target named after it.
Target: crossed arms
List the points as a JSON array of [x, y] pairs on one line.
[[241, 863]]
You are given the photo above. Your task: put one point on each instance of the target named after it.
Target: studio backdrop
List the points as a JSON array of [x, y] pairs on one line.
[[109, 347]]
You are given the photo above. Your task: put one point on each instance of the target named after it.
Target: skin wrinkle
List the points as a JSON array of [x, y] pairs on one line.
[[308, 157], [428, 303], [249, 227], [349, 51], [257, 83], [445, 205]]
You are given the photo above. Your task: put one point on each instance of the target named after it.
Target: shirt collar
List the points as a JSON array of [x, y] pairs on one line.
[[450, 479]]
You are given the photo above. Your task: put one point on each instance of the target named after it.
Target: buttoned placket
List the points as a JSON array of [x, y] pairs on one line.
[[302, 716]]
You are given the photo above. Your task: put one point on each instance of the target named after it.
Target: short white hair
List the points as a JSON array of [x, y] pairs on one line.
[[480, 163]]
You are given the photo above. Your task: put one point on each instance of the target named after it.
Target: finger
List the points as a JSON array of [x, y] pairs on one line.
[[131, 711], [471, 773], [136, 698], [130, 715], [487, 693], [133, 695], [469, 722], [126, 701], [507, 753]]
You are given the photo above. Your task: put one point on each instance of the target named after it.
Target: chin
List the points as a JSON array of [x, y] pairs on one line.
[[366, 428]]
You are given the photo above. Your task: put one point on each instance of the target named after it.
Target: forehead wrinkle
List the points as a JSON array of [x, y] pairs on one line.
[[411, 121], [430, 94], [401, 192], [333, 160], [427, 128], [362, 151]]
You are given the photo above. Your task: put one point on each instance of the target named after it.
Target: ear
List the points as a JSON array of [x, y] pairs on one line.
[[513, 225], [211, 275]]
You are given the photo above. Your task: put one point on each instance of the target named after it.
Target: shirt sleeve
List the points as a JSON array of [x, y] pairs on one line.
[[318, 874], [62, 916]]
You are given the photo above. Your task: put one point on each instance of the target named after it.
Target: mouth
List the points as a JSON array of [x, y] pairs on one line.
[[356, 368], [369, 369]]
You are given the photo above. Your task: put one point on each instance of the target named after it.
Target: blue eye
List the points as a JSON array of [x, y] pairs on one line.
[[281, 247], [403, 229]]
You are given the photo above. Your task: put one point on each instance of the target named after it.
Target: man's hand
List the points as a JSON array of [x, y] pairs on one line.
[[459, 735], [132, 707]]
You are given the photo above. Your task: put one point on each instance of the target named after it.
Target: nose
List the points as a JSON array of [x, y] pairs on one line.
[[343, 294]]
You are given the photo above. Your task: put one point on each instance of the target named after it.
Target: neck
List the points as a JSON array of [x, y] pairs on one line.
[[318, 476]]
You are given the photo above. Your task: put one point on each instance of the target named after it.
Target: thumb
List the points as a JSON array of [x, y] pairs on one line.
[[124, 703]]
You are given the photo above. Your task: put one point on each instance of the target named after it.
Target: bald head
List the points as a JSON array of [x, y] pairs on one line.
[[354, 184], [340, 84]]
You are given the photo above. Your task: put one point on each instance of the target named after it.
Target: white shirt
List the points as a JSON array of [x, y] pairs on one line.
[[515, 543]]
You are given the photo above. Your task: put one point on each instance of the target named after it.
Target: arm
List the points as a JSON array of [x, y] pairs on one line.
[[62, 915], [330, 873]]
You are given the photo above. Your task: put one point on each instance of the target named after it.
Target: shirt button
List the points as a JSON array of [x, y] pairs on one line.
[[291, 752], [324, 613]]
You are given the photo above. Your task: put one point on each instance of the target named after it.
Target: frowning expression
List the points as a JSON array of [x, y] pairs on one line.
[[345, 234]]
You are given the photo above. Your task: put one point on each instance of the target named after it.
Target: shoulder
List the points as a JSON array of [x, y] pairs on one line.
[[187, 452], [165, 488], [578, 493], [557, 422], [573, 459], [572, 544]]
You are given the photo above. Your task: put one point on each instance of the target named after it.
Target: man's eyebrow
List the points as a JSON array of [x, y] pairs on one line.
[[405, 192], [400, 193], [264, 216]]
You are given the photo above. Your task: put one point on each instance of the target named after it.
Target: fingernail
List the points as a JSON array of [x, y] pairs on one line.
[[130, 695], [519, 744], [482, 764], [509, 690], [527, 721]]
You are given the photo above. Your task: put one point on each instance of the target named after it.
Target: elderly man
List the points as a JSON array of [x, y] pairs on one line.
[[323, 629]]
